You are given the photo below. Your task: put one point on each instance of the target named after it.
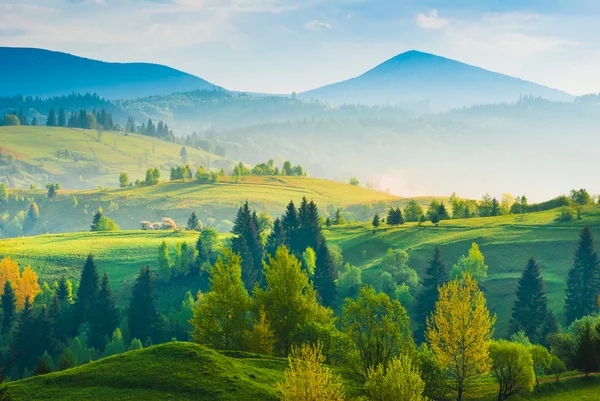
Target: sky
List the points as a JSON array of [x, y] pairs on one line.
[[281, 46]]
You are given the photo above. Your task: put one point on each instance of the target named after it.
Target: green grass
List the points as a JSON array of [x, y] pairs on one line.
[[120, 254], [186, 371], [99, 161], [172, 371], [506, 242]]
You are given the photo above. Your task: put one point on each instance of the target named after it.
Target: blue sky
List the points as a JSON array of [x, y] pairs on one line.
[[280, 46]]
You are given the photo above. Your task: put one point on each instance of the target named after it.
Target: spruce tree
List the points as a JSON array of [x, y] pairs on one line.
[[390, 219], [530, 307], [550, 327], [23, 118], [43, 366], [87, 293], [64, 292], [583, 281], [291, 226], [62, 118], [248, 245], [325, 276], [22, 349], [105, 316], [9, 307], [586, 358], [376, 221], [96, 220], [142, 308], [436, 275], [51, 121], [193, 223], [276, 238]]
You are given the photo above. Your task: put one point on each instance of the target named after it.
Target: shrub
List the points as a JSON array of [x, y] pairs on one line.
[[400, 381]]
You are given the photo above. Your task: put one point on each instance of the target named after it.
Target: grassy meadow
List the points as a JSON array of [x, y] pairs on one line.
[[94, 161]]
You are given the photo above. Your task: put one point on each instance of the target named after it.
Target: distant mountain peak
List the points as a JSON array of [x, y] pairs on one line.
[[414, 76]]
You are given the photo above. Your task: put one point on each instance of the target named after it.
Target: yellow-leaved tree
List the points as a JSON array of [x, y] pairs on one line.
[[24, 284], [308, 378], [460, 331]]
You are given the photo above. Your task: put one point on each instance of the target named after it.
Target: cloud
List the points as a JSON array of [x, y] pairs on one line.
[[431, 21], [316, 24]]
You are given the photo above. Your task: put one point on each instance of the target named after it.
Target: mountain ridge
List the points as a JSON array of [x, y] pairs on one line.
[[41, 72]]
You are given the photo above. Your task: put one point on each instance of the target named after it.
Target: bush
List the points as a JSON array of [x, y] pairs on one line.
[[400, 381], [106, 224], [566, 214]]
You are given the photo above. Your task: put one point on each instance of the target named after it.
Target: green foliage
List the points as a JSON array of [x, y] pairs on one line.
[[10, 119], [512, 367], [288, 299], [124, 180], [378, 327], [473, 264], [399, 380], [44, 365], [135, 345], [106, 224], [350, 282], [354, 181], [530, 307], [67, 360], [542, 361], [557, 367], [221, 315]]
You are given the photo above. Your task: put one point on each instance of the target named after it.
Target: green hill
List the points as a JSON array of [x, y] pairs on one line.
[[212, 202], [176, 371], [92, 161], [507, 242]]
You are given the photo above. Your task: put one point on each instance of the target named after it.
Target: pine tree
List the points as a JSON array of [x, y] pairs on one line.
[[325, 276], [51, 121], [67, 360], [436, 275], [276, 238], [376, 221], [64, 292], [43, 366], [248, 245], [529, 310], [23, 118], [442, 212], [586, 358], [550, 327], [583, 282], [164, 262], [23, 354], [193, 223], [9, 307], [96, 220], [105, 316], [291, 226], [390, 219], [62, 118], [142, 309], [87, 293]]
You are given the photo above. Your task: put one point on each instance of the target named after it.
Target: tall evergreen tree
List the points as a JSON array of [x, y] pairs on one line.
[[583, 281], [291, 226], [105, 316], [62, 118], [142, 309], [325, 276], [550, 327], [23, 118], [51, 121], [530, 307], [9, 307], [193, 223], [436, 275], [248, 245], [276, 238], [87, 293], [64, 292], [96, 220], [586, 358], [23, 351]]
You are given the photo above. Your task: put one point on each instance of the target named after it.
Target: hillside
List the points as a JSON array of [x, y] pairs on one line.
[[38, 72], [414, 77], [215, 203], [186, 371], [180, 371], [507, 242], [91, 161]]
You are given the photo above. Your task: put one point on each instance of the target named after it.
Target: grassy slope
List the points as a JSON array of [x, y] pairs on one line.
[[185, 371], [218, 201], [178, 371], [505, 241], [115, 152]]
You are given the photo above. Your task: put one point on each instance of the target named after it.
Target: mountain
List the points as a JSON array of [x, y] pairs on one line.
[[38, 72], [414, 77]]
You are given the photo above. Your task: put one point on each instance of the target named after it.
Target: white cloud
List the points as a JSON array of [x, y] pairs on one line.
[[316, 24], [431, 21]]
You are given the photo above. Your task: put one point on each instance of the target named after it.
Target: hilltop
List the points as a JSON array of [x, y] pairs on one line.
[[87, 159], [39, 72], [414, 77]]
